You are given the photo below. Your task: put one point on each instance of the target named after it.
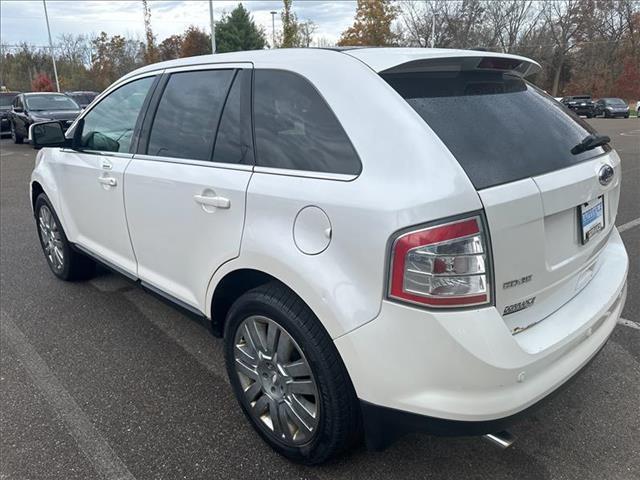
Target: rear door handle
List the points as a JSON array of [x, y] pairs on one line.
[[218, 202], [109, 181]]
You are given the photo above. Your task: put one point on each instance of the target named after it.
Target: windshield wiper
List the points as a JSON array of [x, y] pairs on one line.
[[590, 142]]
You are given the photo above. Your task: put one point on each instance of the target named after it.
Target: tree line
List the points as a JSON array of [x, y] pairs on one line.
[[584, 46]]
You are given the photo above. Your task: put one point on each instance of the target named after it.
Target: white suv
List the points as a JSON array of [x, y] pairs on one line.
[[389, 240]]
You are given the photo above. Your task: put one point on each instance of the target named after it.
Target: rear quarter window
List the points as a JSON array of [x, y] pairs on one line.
[[499, 127], [296, 129]]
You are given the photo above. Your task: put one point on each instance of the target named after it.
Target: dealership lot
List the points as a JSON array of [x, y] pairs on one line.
[[103, 380]]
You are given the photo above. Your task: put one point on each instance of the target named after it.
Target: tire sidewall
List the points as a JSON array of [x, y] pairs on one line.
[[251, 305], [41, 201]]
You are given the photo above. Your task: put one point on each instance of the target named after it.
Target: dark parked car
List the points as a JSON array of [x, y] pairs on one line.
[[5, 107], [82, 98], [30, 108], [612, 107], [580, 104]]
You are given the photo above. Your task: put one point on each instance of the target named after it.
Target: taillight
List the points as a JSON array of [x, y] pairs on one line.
[[446, 265]]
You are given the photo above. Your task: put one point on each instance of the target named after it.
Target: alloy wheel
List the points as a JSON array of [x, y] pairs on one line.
[[51, 238], [279, 389]]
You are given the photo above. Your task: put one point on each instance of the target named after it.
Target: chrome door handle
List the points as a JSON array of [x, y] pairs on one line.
[[109, 181], [218, 202]]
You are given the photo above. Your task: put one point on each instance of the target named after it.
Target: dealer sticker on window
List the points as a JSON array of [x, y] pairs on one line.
[[591, 216]]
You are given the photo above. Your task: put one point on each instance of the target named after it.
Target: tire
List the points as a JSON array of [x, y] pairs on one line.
[[330, 406], [15, 136], [65, 262]]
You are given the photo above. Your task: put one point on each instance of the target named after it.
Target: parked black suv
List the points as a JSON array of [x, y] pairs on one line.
[[30, 108], [5, 107], [612, 107], [580, 104], [82, 98]]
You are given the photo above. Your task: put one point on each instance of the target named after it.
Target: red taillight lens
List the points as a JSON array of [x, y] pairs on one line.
[[442, 266]]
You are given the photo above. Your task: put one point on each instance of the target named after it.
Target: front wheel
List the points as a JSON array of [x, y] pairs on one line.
[[15, 136], [64, 262], [288, 376]]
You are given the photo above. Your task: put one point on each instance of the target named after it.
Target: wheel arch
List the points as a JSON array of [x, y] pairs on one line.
[[236, 278], [36, 189]]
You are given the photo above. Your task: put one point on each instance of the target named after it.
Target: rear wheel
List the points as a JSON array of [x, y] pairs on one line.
[[15, 136], [63, 261], [288, 376]]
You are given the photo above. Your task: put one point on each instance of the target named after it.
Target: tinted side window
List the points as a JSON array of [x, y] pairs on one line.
[[295, 129], [187, 117], [109, 126], [233, 143]]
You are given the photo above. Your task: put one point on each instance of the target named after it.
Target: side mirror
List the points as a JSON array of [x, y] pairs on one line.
[[47, 134], [18, 109]]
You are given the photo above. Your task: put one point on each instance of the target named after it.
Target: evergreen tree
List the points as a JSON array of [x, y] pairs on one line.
[[237, 31]]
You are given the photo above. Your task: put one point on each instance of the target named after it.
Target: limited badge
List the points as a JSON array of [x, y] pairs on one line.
[[516, 307]]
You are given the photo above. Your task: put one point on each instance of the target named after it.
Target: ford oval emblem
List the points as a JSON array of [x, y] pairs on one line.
[[605, 175]]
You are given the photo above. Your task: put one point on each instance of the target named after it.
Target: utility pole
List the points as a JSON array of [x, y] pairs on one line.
[[273, 29], [433, 31], [213, 28], [55, 69], [433, 25]]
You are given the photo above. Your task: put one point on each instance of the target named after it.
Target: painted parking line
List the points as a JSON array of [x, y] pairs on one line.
[[97, 450], [629, 323], [626, 226], [632, 133]]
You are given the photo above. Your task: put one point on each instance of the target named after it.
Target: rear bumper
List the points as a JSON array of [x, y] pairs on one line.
[[465, 369], [383, 425]]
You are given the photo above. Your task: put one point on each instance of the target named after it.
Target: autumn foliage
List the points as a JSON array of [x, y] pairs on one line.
[[372, 25], [42, 83]]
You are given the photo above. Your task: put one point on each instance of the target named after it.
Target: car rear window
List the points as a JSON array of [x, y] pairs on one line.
[[499, 127]]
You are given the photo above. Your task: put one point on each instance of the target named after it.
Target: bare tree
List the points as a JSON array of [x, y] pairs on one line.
[[510, 21], [306, 30], [564, 20]]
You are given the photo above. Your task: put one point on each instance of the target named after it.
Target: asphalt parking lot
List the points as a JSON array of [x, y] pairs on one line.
[[103, 380]]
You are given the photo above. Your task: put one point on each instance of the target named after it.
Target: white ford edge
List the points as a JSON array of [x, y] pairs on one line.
[[388, 240]]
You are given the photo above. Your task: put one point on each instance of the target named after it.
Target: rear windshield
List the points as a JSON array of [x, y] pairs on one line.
[[82, 98], [499, 127]]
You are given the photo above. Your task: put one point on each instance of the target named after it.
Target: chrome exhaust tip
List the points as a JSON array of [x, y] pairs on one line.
[[501, 439]]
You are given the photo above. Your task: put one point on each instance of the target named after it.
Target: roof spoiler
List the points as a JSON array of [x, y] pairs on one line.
[[427, 60], [514, 66]]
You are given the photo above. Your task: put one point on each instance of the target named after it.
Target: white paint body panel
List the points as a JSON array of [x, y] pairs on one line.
[[93, 212], [179, 243], [466, 362]]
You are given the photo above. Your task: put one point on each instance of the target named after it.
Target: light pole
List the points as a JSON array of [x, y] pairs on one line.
[[213, 28], [433, 31], [55, 69], [273, 29]]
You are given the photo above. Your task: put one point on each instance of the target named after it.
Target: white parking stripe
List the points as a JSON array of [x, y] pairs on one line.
[[629, 323], [105, 461], [628, 225]]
